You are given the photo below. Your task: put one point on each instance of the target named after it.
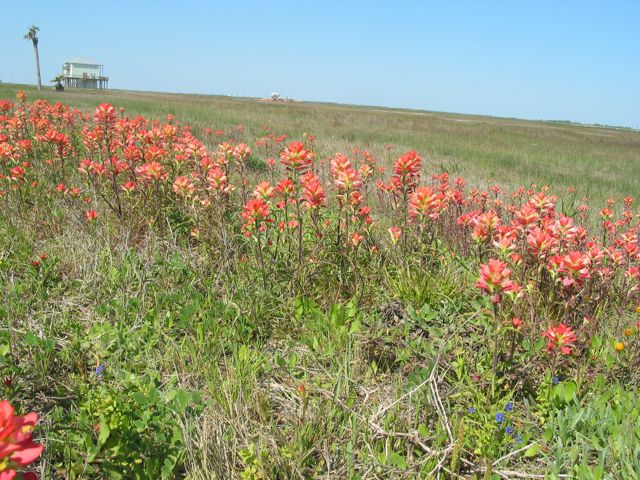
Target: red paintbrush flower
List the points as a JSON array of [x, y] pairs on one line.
[[128, 186], [541, 241], [218, 181], [407, 171], [182, 186], [495, 280], [17, 448], [425, 202], [395, 233], [264, 191], [574, 268], [485, 225], [255, 211], [105, 114], [313, 194], [241, 152], [296, 157], [561, 337]]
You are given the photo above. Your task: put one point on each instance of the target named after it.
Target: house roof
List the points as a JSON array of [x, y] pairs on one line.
[[85, 60]]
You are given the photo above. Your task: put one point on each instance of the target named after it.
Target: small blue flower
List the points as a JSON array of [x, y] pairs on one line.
[[518, 438], [500, 417], [555, 380], [472, 410], [99, 369], [509, 407], [509, 430]]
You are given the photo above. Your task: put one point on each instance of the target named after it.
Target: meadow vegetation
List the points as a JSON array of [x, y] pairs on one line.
[[202, 287], [599, 162]]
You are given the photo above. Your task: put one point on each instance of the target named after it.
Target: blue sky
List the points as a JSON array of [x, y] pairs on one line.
[[565, 60]]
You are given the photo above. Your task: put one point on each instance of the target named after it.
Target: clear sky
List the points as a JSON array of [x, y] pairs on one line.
[[542, 59]]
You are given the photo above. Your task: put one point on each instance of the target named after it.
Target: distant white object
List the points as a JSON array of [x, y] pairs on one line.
[[83, 73], [275, 96]]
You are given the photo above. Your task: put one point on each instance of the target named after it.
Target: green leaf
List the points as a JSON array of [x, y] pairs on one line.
[[570, 389], [355, 327], [293, 361], [243, 353], [299, 308], [105, 431], [548, 434], [598, 472], [31, 338], [352, 308], [397, 460], [182, 400], [532, 451], [140, 398], [539, 344]]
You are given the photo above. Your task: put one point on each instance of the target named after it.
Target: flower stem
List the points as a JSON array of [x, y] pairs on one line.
[[495, 348]]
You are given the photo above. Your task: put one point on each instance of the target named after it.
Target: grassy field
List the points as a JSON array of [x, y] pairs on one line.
[[599, 162], [172, 308]]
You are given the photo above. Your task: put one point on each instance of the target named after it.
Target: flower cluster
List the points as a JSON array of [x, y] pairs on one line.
[[528, 252]]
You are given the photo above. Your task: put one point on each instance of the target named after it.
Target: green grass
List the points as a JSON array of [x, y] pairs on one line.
[[599, 162]]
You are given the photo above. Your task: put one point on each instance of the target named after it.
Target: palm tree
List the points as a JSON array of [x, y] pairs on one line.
[[32, 35]]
